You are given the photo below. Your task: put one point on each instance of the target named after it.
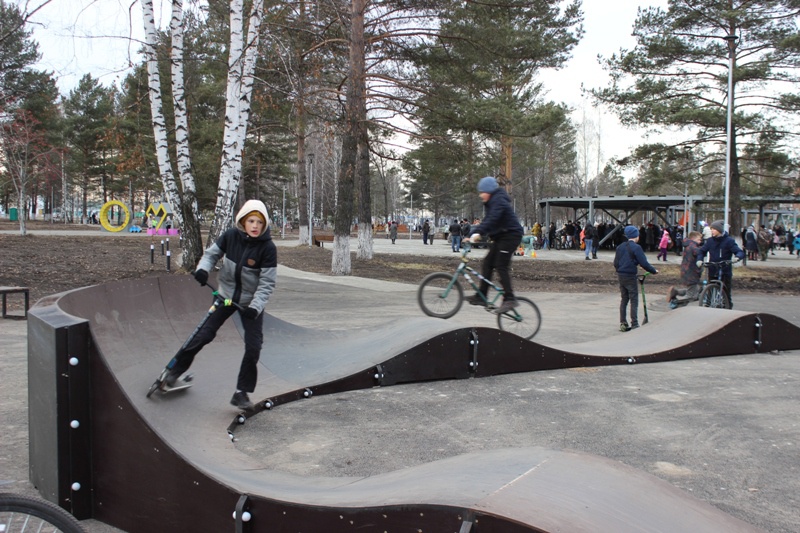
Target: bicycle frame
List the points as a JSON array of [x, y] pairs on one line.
[[717, 281], [718, 278], [466, 271]]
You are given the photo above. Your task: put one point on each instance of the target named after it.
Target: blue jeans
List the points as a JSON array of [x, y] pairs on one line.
[[456, 242], [588, 246]]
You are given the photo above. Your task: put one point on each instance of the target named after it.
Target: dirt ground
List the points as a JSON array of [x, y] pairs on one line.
[[50, 264]]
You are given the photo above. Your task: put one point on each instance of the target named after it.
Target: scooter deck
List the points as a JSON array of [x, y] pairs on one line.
[[183, 383]]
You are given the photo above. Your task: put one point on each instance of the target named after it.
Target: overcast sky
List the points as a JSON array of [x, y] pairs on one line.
[[80, 36]]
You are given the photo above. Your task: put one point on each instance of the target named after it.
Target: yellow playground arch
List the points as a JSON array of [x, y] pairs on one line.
[[104, 216]]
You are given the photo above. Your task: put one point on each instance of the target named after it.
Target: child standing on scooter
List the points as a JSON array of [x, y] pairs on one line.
[[628, 258], [690, 272], [247, 277]]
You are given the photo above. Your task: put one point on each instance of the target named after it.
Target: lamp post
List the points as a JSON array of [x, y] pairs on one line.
[[311, 201], [731, 40]]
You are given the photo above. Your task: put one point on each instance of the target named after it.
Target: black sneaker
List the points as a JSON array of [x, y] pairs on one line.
[[623, 326], [507, 306], [241, 400], [634, 326], [476, 299]]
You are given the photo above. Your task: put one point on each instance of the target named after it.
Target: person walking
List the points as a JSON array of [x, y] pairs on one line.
[[663, 245], [426, 228], [588, 239], [393, 231], [751, 243], [500, 223], [455, 235]]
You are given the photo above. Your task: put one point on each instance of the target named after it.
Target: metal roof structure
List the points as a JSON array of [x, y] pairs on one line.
[[666, 207]]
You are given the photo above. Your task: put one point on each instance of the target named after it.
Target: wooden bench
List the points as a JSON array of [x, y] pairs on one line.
[[320, 240], [5, 291]]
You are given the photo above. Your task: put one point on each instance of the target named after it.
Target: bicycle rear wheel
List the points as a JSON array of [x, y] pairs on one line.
[[714, 297], [523, 321], [20, 514], [439, 296]]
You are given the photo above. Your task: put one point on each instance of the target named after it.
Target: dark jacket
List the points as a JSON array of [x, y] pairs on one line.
[[721, 248], [629, 256], [690, 272], [499, 217], [249, 266]]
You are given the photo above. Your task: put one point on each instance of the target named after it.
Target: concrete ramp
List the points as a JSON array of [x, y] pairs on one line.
[[100, 449]]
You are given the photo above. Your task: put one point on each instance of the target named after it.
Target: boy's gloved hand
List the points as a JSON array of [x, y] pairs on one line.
[[250, 313], [201, 276], [699, 264]]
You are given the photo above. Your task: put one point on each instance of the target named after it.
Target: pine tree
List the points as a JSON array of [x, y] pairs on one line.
[[676, 78]]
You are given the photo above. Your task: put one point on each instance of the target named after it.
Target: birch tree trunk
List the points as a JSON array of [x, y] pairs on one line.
[[156, 105], [241, 64], [340, 262], [187, 210]]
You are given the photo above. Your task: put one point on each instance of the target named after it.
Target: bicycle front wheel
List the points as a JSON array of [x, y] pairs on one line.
[[714, 297], [523, 321], [439, 295], [20, 513]]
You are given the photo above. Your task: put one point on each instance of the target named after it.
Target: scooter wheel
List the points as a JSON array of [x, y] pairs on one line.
[[153, 388]]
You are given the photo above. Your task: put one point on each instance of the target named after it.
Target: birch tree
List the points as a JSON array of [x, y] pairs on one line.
[[241, 64], [191, 250], [192, 241]]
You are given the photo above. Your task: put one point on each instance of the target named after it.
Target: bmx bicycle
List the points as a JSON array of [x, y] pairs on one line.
[[441, 295], [714, 293], [20, 513]]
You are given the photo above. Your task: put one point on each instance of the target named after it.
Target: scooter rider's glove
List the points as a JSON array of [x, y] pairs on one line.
[[250, 313], [201, 276]]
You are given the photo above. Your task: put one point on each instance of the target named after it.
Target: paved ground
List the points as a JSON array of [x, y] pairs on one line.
[[726, 429]]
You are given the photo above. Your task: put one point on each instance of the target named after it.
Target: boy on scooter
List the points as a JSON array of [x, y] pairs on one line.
[[690, 273], [247, 276], [628, 258]]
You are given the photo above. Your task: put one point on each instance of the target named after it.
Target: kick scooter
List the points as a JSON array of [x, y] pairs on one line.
[[185, 382]]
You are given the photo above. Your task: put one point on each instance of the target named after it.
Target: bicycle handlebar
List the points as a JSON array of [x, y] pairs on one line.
[[718, 263]]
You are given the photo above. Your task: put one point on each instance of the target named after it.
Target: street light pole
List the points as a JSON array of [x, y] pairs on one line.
[[311, 201], [731, 40]]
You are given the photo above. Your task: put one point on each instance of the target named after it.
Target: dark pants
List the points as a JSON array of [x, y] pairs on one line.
[[727, 279], [499, 259], [629, 292], [253, 339]]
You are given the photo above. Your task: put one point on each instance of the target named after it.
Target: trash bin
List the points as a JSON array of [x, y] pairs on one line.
[[12, 214]]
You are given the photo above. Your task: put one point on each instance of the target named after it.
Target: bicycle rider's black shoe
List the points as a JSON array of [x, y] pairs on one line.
[[507, 306], [476, 299]]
